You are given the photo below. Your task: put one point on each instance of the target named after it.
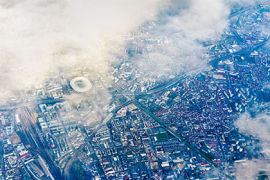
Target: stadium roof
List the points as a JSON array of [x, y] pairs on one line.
[[80, 84]]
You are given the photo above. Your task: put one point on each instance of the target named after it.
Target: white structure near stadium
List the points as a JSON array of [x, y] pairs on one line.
[[81, 84]]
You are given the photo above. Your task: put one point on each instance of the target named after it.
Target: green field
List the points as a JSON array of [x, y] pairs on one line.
[[161, 136], [77, 172]]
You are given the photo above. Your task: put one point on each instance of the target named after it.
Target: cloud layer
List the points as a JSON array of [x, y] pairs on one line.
[[202, 19], [258, 127], [178, 33], [41, 36], [249, 170]]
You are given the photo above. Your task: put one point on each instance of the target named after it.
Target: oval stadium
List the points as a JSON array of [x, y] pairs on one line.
[[81, 84]]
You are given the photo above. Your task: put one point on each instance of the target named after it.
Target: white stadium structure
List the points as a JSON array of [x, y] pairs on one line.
[[81, 84]]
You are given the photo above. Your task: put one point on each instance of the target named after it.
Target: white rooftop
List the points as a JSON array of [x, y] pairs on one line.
[[80, 84]]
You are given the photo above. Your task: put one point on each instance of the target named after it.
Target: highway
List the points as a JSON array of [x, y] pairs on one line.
[[155, 90], [176, 80], [175, 134], [144, 109], [104, 121], [178, 136], [130, 97], [239, 12]]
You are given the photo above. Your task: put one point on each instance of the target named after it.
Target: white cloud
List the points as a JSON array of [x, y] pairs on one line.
[[39, 36], [179, 50], [202, 19], [259, 127], [249, 170]]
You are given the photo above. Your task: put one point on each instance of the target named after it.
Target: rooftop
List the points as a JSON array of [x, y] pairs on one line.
[[80, 84]]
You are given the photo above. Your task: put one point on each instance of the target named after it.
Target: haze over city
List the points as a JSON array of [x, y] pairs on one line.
[[134, 89]]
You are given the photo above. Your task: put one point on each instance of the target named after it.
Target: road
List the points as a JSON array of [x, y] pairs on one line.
[[178, 136], [239, 12], [104, 121], [59, 117], [155, 90], [176, 80], [175, 134], [139, 105], [130, 97]]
